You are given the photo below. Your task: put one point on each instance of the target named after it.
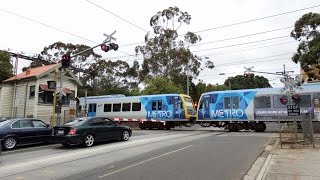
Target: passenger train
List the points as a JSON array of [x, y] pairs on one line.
[[151, 111], [251, 108]]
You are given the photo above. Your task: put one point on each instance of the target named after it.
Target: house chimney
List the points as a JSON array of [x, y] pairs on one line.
[[28, 71]]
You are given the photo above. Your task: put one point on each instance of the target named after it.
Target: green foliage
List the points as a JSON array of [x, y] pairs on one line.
[[160, 85], [242, 82], [197, 90], [306, 31], [166, 53], [5, 66]]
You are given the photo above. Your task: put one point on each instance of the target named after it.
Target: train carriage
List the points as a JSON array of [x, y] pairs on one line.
[[150, 111], [251, 108]]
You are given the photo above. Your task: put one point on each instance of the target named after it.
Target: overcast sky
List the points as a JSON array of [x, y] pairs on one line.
[[82, 22]]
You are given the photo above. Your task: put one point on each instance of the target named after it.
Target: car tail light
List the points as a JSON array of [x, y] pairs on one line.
[[72, 131]]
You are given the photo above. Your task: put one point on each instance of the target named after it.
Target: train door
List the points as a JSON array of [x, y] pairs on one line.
[[176, 107], [231, 107], [156, 108], [204, 109], [92, 110]]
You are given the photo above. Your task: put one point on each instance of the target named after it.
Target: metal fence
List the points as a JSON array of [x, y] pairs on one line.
[[302, 132]]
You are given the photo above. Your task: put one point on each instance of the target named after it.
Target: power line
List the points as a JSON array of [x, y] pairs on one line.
[[208, 76], [253, 60], [257, 19], [243, 22], [116, 16], [52, 27], [280, 37], [242, 50], [219, 40], [227, 39], [224, 52]]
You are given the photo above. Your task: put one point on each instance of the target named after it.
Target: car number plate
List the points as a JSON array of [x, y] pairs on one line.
[[60, 131]]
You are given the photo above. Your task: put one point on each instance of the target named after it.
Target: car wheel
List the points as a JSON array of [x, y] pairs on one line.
[[88, 140], [125, 135], [9, 143]]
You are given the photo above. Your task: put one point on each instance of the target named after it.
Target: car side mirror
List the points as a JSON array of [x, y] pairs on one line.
[[48, 125]]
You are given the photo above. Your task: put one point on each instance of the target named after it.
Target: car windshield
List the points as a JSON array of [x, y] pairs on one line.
[[76, 122]]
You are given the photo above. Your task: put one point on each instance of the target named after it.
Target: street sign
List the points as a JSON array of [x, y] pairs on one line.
[[293, 110]]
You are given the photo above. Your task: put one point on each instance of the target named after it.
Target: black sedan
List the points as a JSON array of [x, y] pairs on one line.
[[20, 131], [88, 130]]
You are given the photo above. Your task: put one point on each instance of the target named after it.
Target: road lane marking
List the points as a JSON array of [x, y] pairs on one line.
[[133, 165]]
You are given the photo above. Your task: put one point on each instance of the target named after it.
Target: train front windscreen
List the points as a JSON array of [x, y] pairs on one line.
[[190, 108]]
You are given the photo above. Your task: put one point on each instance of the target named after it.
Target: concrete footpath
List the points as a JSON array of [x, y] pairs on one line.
[[299, 163]]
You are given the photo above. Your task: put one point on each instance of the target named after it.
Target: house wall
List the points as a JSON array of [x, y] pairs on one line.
[[45, 111], [6, 100], [25, 106]]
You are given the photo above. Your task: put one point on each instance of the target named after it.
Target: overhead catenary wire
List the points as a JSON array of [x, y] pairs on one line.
[[97, 5], [258, 19], [238, 23], [218, 53], [55, 28], [279, 37], [221, 40]]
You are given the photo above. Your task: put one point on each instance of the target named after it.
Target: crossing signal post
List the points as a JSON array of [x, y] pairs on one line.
[[106, 45]]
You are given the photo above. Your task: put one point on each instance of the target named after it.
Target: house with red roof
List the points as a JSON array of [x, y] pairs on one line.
[[27, 94]]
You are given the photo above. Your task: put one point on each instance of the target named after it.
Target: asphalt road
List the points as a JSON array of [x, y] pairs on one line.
[[193, 154], [215, 157]]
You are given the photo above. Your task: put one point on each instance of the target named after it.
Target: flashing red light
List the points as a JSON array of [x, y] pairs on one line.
[[283, 100], [105, 47]]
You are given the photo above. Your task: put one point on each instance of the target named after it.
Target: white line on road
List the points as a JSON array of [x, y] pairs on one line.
[[144, 161]]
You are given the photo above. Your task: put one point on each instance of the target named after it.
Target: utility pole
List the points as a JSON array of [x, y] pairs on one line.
[[188, 83], [60, 102], [54, 97]]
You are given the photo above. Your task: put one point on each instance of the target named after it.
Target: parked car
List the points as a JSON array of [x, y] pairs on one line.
[[89, 130], [21, 131]]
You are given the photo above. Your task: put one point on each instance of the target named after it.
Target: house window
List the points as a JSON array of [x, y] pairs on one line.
[[46, 96], [32, 91]]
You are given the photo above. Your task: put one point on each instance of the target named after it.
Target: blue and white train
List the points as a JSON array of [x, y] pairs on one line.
[[151, 111], [251, 108]]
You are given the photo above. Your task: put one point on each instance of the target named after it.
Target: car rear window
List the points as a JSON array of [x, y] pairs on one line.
[[4, 122], [76, 122]]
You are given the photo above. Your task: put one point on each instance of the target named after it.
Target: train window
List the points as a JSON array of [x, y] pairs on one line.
[[136, 106], [200, 105], [116, 107], [126, 106], [107, 108], [235, 102], [262, 102], [154, 105], [159, 105], [227, 102], [305, 101]]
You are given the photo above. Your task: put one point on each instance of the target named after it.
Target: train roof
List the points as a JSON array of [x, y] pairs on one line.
[[117, 96], [306, 86]]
